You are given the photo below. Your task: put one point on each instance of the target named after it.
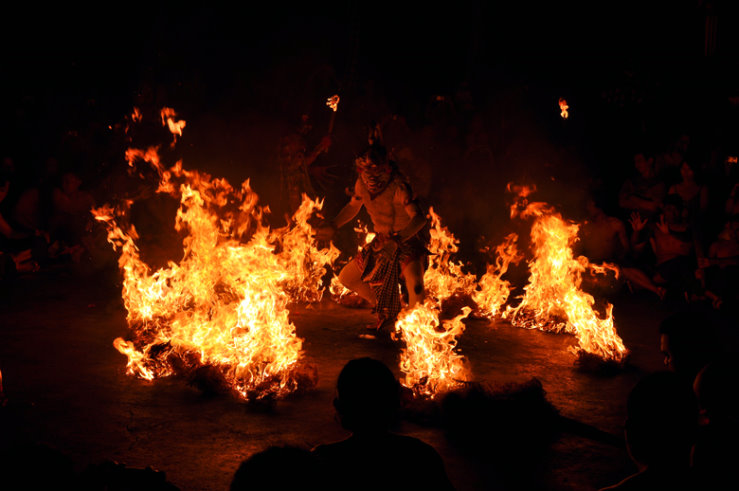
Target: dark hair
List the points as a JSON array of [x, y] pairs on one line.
[[285, 467], [376, 153], [368, 395], [662, 418]]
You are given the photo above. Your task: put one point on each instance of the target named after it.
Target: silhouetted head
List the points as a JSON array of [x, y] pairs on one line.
[[662, 420], [685, 341], [368, 396], [277, 468], [716, 389]]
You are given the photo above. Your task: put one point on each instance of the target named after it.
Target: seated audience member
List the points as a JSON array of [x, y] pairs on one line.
[[676, 250], [278, 468], [692, 192], [26, 248], [603, 239], [715, 453], [71, 214], [644, 192], [373, 458], [722, 264], [660, 429]]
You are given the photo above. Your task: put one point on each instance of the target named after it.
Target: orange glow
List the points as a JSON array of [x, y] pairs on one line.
[[563, 108], [333, 102], [175, 127], [224, 305], [136, 115]]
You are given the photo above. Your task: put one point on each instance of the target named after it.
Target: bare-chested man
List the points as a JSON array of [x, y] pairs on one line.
[[603, 238], [397, 250]]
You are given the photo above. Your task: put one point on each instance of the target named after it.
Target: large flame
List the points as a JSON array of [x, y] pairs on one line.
[[429, 360], [553, 299], [224, 305]]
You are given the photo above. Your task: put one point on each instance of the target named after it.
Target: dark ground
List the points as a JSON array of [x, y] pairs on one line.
[[67, 388]]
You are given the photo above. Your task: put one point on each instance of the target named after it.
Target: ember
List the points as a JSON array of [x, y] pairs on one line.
[[563, 108]]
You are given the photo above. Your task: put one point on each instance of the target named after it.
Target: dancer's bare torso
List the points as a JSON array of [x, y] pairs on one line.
[[391, 210]]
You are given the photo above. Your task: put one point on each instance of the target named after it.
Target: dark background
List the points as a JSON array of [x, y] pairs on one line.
[[464, 74]]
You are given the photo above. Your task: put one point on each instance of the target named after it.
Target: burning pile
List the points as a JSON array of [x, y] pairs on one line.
[[224, 306], [553, 300], [429, 360]]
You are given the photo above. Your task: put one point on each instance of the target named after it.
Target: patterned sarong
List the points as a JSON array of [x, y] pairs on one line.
[[382, 271]]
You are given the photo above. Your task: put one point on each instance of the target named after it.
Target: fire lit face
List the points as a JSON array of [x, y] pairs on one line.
[[687, 172], [644, 165], [371, 172]]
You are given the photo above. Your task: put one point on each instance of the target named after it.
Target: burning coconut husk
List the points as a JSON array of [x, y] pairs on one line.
[[553, 299], [219, 317]]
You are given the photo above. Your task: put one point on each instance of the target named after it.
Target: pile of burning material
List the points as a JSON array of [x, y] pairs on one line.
[[553, 299], [429, 359], [220, 314]]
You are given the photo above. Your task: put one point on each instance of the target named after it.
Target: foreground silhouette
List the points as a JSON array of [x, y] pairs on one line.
[[374, 458]]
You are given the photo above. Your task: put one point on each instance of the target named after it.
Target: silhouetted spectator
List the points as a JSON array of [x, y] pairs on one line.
[[722, 264], [716, 452], [278, 468], [368, 398], [687, 342], [661, 424], [26, 247]]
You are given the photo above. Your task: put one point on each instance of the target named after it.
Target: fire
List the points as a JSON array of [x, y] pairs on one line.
[[429, 360], [224, 305], [175, 127], [336, 289], [333, 102], [493, 290], [553, 299], [444, 277], [136, 115], [563, 108]]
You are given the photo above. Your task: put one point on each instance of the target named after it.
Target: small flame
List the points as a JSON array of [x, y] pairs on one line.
[[563, 108], [333, 102], [175, 127], [493, 290], [136, 115]]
